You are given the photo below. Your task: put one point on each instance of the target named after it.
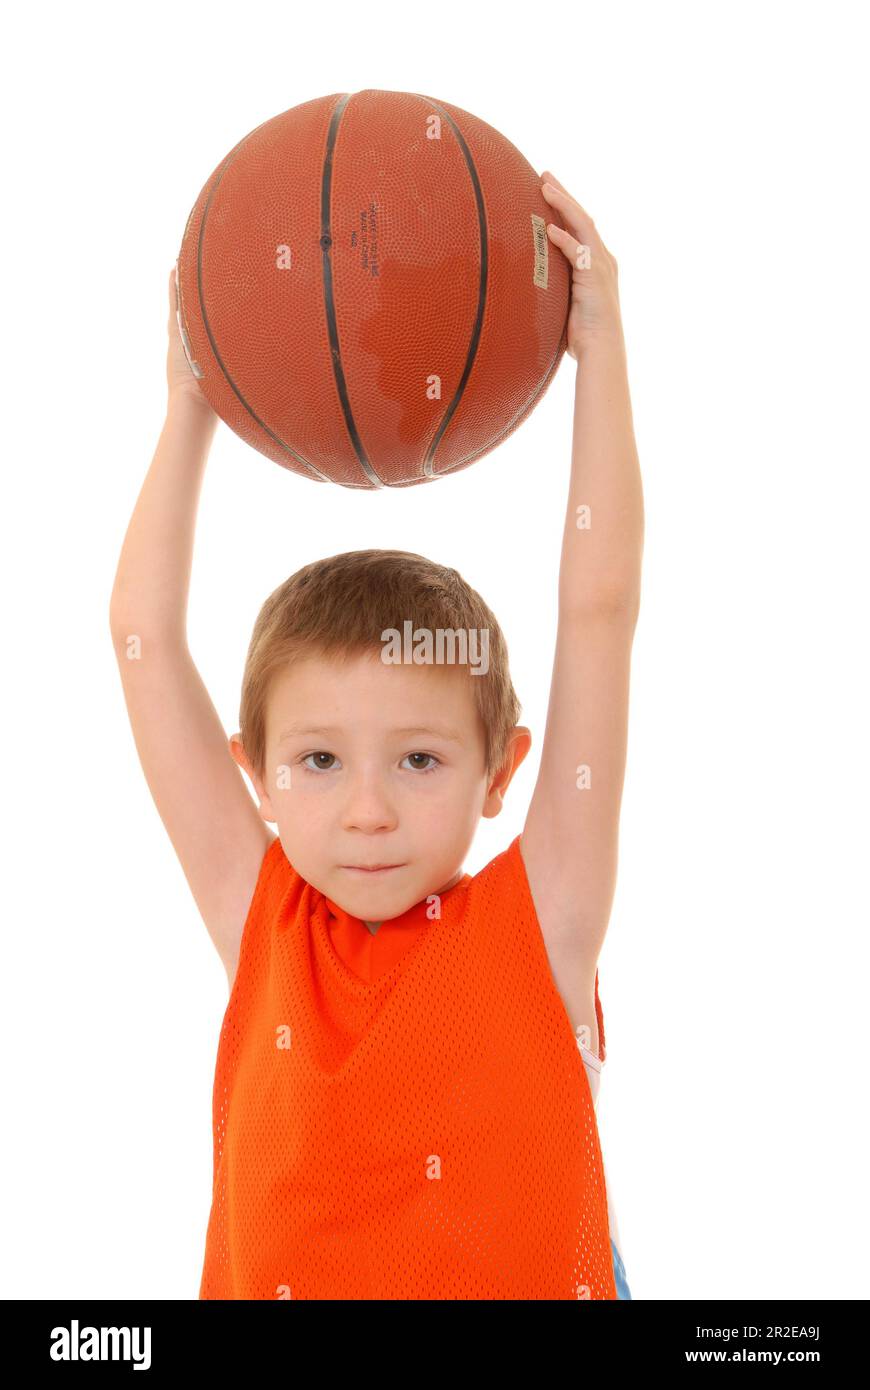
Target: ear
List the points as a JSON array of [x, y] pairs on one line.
[[518, 746], [237, 749]]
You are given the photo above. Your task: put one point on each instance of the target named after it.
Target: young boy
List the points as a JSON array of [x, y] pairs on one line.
[[401, 1107]]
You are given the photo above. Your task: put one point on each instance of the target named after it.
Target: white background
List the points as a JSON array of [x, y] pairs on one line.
[[722, 152]]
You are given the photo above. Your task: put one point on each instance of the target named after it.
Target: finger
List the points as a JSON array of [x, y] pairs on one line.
[[579, 227], [571, 211], [578, 252], [173, 294], [558, 196], [547, 177]]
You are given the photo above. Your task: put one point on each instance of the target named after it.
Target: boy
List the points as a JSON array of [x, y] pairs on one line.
[[401, 1107]]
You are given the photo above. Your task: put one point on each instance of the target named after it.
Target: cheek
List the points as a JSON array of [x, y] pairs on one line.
[[446, 795], [301, 784], [301, 803]]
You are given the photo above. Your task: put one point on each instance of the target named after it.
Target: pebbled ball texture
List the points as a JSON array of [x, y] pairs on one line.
[[368, 292]]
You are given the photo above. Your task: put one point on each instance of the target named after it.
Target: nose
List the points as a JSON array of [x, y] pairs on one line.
[[368, 805]]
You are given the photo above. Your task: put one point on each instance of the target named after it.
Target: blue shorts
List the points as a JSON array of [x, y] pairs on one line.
[[622, 1289]]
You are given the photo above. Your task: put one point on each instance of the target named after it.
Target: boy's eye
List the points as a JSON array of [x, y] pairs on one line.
[[320, 767], [432, 759]]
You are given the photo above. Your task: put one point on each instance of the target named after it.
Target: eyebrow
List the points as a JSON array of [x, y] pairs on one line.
[[295, 730]]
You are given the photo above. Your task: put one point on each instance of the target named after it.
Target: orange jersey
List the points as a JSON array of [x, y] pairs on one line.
[[405, 1114]]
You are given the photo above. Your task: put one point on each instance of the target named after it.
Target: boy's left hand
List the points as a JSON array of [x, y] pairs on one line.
[[594, 309]]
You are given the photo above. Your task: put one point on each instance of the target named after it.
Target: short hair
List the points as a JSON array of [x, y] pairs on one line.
[[342, 605]]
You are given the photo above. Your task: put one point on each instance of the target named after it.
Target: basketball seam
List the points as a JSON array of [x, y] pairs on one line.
[[328, 296], [471, 355], [323, 477]]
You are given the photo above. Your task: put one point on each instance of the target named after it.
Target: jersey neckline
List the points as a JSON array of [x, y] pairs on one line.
[[414, 917]]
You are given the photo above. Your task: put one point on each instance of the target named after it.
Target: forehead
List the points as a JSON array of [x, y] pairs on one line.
[[363, 692]]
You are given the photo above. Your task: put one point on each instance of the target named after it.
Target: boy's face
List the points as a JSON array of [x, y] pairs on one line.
[[368, 764]]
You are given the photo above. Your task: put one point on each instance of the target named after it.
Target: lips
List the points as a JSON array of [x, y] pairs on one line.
[[370, 868]]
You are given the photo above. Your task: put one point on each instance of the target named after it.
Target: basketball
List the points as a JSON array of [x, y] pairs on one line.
[[367, 294]]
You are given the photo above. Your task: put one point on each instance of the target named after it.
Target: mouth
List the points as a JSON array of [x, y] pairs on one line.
[[371, 868]]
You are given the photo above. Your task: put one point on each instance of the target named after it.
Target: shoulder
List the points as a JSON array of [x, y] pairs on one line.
[[506, 868], [277, 880], [276, 876], [505, 880], [503, 888]]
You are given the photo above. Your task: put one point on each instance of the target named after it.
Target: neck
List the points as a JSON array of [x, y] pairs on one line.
[[373, 926]]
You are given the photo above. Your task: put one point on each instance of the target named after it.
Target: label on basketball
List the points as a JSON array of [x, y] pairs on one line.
[[542, 246], [364, 239]]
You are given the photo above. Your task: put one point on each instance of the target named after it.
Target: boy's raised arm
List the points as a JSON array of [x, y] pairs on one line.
[[569, 841], [198, 788]]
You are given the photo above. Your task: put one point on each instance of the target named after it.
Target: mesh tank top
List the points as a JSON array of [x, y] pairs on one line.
[[419, 1126]]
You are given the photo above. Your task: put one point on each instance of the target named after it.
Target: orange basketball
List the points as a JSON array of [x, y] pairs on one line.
[[367, 293]]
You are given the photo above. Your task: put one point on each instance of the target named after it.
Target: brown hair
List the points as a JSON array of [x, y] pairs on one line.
[[340, 606]]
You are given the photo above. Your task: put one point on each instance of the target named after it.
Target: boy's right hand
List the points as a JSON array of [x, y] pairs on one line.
[[180, 380]]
